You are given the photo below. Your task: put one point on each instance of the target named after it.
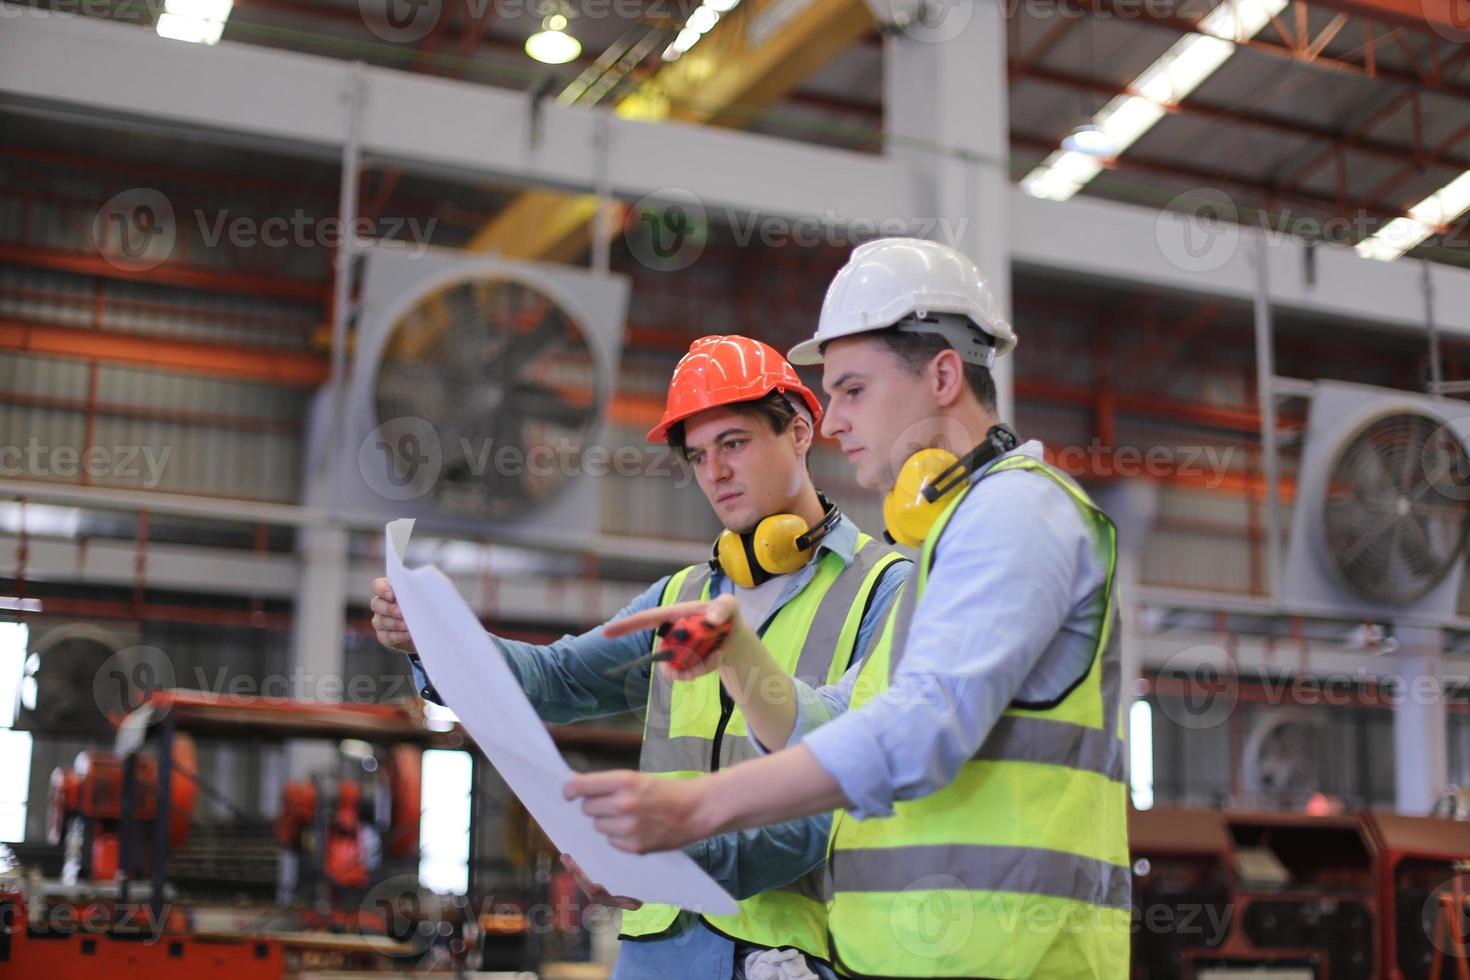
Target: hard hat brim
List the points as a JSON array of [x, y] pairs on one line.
[[807, 352]]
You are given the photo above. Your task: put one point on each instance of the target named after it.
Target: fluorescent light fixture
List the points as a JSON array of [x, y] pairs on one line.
[[1172, 76], [1061, 175], [1181, 69], [1126, 118], [1425, 218], [552, 45], [671, 53], [722, 6], [195, 21], [12, 603], [687, 38], [702, 20], [1241, 20]]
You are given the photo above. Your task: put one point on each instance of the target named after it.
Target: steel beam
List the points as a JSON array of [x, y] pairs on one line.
[[125, 76]]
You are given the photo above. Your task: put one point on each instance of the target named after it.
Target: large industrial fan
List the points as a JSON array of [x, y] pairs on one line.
[[1281, 761], [476, 390], [1382, 510], [81, 678]]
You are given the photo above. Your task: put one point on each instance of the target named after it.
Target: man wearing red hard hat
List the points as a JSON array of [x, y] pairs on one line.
[[816, 585]]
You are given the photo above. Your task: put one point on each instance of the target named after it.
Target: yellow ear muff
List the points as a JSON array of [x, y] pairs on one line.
[[776, 549], [731, 554], [773, 548], [906, 513]]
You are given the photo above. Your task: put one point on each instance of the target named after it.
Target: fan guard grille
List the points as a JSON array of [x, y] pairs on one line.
[[1395, 516], [508, 382]]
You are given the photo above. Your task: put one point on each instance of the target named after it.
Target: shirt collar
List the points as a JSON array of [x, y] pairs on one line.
[[842, 540]]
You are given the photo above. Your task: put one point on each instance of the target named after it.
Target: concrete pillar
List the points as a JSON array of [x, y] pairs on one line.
[[1421, 769], [1132, 504], [946, 110], [318, 656]]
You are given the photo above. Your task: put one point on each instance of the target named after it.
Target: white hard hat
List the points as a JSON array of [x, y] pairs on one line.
[[890, 279]]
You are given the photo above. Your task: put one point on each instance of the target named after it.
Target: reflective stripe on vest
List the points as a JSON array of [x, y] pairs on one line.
[[1019, 867], [812, 636]]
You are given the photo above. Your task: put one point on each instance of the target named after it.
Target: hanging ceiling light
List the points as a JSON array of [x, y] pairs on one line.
[[552, 45], [1091, 140]]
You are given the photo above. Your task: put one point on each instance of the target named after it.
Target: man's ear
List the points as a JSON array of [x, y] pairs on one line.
[[947, 373], [801, 433]]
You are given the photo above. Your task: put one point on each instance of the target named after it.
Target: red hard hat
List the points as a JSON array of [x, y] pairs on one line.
[[726, 370]]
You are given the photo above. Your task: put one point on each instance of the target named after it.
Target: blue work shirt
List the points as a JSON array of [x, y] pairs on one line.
[[1010, 612], [577, 677]]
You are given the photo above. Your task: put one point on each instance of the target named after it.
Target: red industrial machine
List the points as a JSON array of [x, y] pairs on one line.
[[136, 903], [340, 823], [87, 803], [125, 817], [1345, 897]]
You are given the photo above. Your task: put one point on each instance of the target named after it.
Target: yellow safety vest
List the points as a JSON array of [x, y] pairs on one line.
[[1019, 867], [693, 727]]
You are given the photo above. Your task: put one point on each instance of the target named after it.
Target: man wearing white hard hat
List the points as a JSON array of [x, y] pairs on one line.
[[974, 758]]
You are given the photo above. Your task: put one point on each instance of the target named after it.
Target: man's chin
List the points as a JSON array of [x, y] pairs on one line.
[[739, 523]]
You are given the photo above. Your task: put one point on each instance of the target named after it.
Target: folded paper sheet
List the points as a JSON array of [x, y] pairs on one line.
[[471, 674]]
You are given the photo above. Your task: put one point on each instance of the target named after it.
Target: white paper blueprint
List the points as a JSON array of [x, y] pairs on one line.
[[472, 677]]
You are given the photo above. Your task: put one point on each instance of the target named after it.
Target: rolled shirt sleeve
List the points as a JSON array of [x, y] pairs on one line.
[[815, 706], [577, 677]]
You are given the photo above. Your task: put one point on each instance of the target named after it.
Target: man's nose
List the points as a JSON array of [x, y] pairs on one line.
[[831, 424], [714, 469]]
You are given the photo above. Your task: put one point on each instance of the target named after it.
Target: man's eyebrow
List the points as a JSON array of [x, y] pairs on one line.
[[738, 430], [842, 379]]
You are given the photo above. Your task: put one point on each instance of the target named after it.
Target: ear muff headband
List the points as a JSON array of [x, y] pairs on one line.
[[929, 480]]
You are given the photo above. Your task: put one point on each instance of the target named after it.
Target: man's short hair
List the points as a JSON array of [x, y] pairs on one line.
[[774, 407], [916, 350]]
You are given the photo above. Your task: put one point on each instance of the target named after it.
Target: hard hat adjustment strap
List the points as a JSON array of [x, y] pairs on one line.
[[969, 339]]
